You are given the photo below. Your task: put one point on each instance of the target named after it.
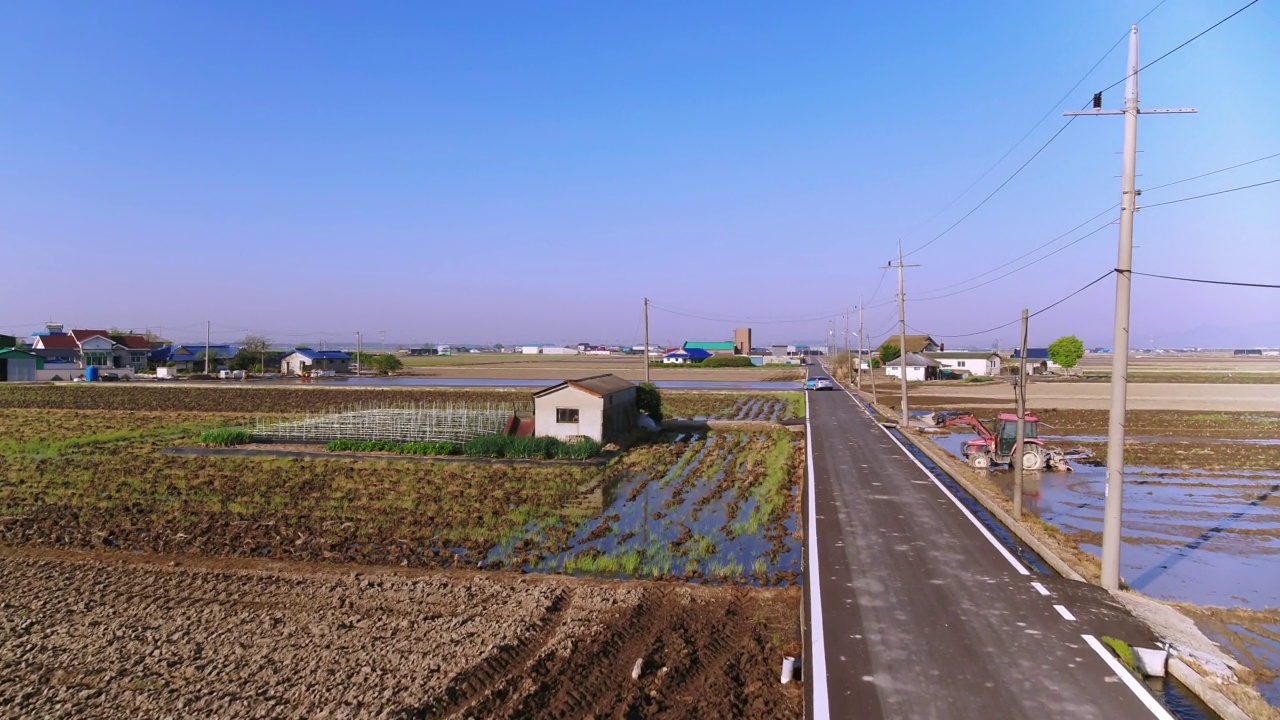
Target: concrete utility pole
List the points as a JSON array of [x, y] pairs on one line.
[[1020, 390], [859, 359], [902, 333], [359, 355], [1111, 519], [646, 341], [382, 341], [847, 357], [208, 333]]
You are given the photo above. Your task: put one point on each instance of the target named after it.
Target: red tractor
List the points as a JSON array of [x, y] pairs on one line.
[[996, 448]]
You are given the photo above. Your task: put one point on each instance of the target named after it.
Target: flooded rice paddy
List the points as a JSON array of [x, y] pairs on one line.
[[1207, 538], [716, 508]]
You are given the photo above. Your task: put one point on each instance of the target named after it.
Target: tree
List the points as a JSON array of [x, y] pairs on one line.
[[1066, 351], [649, 401], [255, 348], [889, 352], [387, 363]]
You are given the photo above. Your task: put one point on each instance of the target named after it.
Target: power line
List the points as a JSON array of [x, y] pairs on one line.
[[1046, 308], [1202, 33], [1022, 139], [1197, 197], [755, 321], [1213, 172], [1207, 281]]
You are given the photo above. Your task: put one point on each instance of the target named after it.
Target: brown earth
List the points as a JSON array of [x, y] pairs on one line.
[[113, 635]]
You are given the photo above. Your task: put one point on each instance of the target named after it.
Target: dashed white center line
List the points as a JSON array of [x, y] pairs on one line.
[[1065, 613], [1040, 588]]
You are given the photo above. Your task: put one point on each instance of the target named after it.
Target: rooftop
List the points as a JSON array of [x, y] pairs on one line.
[[598, 385]]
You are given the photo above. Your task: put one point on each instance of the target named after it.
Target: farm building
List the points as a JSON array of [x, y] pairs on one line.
[[685, 357], [713, 347], [18, 365], [919, 367], [307, 360], [915, 344], [601, 407], [1038, 361], [974, 363], [547, 350], [87, 348]]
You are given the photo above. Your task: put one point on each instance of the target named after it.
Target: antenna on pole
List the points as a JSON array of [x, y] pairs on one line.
[[1111, 518]]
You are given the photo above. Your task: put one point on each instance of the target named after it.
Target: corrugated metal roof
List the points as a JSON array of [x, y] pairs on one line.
[[915, 343], [598, 385], [712, 346], [961, 355], [133, 342], [59, 342], [310, 354], [1032, 354], [914, 360]]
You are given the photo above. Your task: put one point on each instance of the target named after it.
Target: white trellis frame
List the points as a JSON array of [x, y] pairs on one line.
[[408, 423]]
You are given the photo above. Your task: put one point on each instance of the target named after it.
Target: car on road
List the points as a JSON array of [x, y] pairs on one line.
[[824, 384], [811, 384]]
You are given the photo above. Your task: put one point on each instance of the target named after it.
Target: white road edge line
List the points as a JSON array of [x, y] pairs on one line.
[[976, 523], [1040, 589], [1128, 679], [815, 667], [1064, 612]]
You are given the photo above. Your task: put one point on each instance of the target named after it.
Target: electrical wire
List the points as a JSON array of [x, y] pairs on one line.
[[1046, 308], [755, 321], [1207, 281], [1213, 172], [1197, 197], [1199, 35]]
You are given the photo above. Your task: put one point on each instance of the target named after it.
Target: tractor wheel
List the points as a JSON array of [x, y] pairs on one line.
[[1033, 458], [980, 461]]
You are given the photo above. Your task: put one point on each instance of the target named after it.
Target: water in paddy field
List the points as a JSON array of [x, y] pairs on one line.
[[686, 521], [1206, 538]]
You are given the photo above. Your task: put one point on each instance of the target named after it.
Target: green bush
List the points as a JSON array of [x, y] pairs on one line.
[[979, 379], [726, 361], [400, 448], [530, 448], [225, 437], [649, 401]]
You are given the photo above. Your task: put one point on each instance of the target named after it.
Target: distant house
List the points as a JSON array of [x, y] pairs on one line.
[[18, 365], [1038, 361], [713, 347], [919, 367], [547, 350], [973, 363], [914, 344], [685, 357], [96, 348], [307, 360], [190, 358], [8, 341], [601, 407]]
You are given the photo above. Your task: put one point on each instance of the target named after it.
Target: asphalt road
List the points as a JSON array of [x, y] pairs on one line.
[[919, 614]]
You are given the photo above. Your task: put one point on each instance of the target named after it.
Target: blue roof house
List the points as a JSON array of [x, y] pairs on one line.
[[1038, 361], [686, 356]]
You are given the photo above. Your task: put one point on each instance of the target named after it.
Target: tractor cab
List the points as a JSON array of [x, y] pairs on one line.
[[1007, 431]]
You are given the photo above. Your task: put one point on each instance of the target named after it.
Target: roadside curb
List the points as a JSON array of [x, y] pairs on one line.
[[1202, 687]]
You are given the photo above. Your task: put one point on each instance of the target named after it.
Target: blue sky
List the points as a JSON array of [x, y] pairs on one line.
[[529, 172]]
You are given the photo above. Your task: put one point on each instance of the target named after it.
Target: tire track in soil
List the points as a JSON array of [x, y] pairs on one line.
[[598, 686], [478, 686]]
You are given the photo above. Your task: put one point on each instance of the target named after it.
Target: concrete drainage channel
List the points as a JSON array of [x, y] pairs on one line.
[[1173, 695]]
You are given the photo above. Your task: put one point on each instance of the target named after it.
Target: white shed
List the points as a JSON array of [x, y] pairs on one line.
[[976, 363], [601, 407], [919, 367]]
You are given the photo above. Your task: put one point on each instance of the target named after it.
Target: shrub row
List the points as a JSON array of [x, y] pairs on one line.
[[530, 448], [225, 437], [487, 446], [400, 448]]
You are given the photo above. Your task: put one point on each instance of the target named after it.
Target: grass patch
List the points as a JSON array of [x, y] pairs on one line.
[[530, 448], [1122, 652], [399, 448], [225, 437]]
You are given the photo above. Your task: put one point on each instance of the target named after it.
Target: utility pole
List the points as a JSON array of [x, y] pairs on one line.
[[1114, 506], [646, 346], [902, 333], [359, 356], [859, 343], [847, 357], [208, 334], [1020, 390], [382, 341]]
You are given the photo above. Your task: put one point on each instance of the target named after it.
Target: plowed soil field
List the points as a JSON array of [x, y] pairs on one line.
[[86, 635]]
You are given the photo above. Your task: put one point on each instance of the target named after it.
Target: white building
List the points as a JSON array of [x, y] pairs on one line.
[[919, 367], [601, 407], [547, 350], [975, 363]]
